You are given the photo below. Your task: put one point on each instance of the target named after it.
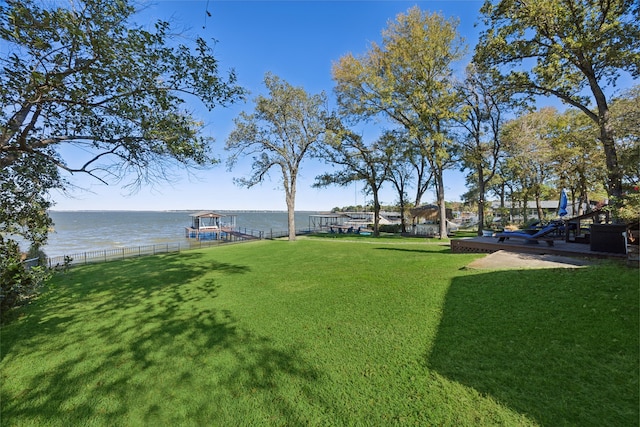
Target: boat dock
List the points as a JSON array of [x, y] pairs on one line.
[[207, 233], [208, 225]]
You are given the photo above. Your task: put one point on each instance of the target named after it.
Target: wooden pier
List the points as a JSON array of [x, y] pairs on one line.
[[246, 235]]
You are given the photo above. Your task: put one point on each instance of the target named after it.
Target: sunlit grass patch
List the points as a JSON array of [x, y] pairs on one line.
[[324, 332]]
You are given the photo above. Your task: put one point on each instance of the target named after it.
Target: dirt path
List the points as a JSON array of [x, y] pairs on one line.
[[506, 259]]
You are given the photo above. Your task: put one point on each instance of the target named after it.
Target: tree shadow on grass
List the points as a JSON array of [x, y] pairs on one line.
[[127, 283], [147, 343], [549, 344]]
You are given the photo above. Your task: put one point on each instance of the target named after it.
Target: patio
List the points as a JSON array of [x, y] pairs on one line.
[[560, 247]]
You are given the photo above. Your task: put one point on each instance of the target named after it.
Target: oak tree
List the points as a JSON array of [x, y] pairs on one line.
[[486, 103], [527, 143], [579, 159], [625, 121], [82, 75], [282, 131], [575, 50], [358, 161], [408, 80], [399, 148]]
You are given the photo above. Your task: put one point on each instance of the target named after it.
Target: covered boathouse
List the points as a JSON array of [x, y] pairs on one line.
[[208, 225]]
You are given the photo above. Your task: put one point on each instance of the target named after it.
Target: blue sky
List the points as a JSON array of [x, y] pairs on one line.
[[296, 40]]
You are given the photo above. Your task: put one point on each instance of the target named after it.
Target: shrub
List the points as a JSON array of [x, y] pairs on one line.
[[18, 282], [390, 228]]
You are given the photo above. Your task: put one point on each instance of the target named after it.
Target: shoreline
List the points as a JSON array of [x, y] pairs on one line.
[[182, 210], [89, 230]]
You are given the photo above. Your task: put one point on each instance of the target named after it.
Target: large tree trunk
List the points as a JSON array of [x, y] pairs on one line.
[[290, 191], [441, 205], [403, 220], [291, 219], [481, 195], [614, 174], [523, 206], [376, 214], [539, 207]]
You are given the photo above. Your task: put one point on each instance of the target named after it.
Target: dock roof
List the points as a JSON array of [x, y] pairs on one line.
[[206, 214]]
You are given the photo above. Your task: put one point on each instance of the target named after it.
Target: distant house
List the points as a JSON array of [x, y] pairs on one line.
[[425, 220], [428, 214]]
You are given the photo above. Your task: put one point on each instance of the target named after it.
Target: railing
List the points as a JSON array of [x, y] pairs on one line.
[[30, 263], [105, 255], [271, 234], [246, 233]]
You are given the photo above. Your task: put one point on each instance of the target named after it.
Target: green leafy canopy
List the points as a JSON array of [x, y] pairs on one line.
[[84, 75], [80, 74]]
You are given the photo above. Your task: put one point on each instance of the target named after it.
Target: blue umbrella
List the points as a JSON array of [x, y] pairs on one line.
[[562, 209]]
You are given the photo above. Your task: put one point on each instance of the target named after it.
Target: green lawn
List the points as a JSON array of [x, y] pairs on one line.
[[324, 332]]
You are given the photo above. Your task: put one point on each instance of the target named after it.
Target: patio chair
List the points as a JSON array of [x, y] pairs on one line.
[[542, 234]]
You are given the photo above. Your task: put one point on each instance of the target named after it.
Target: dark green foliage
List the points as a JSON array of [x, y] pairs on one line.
[[18, 281], [79, 74], [390, 228], [84, 75], [574, 50], [23, 217]]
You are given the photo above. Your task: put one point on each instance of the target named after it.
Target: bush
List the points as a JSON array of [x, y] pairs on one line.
[[390, 228], [35, 252], [18, 282]]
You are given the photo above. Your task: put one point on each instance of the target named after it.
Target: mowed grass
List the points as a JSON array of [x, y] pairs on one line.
[[324, 332]]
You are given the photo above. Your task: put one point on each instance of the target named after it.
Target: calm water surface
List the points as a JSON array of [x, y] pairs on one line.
[[76, 232]]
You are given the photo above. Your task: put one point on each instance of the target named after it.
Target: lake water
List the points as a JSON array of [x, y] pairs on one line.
[[77, 232]]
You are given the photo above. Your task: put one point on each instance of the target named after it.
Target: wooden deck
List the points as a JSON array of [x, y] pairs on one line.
[[560, 247]]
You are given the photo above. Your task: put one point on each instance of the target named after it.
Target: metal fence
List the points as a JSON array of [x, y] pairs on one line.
[[249, 234], [271, 234], [31, 262], [105, 255]]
